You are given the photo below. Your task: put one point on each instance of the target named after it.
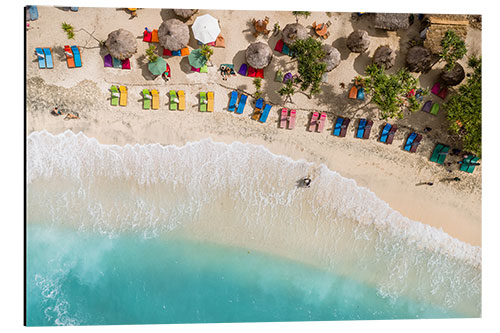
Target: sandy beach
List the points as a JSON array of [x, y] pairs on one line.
[[387, 170]]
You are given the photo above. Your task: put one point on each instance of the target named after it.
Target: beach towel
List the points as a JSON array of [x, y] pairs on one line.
[[251, 71], [279, 46], [313, 122], [195, 69], [77, 56], [436, 88], [220, 42], [176, 53], [41, 57], [117, 63], [70, 58], [322, 122], [126, 64], [156, 99], [146, 101], [361, 94], [353, 93], [337, 127], [154, 36], [361, 128], [286, 50], [204, 69], [265, 113], [385, 131], [173, 100], [278, 77], [48, 58], [409, 141], [284, 116], [390, 135], [427, 106], [435, 109], [203, 101], [108, 60], [368, 128], [33, 13], [232, 101], [345, 125], [243, 70], [415, 143], [241, 104], [184, 52], [115, 96], [146, 36], [288, 76], [182, 100], [210, 104], [293, 115], [260, 73], [167, 53], [123, 96], [443, 92]]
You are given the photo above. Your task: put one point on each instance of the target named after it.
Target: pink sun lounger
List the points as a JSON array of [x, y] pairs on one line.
[[314, 122], [284, 116], [322, 121], [291, 123]]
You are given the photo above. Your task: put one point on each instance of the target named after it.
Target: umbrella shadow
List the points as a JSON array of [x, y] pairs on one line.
[[239, 59], [185, 66], [167, 14], [361, 62], [340, 45]]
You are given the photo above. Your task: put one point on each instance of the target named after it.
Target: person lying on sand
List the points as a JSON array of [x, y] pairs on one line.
[[73, 115], [56, 112]]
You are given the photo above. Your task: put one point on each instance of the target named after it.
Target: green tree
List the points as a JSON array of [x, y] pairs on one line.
[[309, 54], [304, 14], [464, 109], [150, 53], [287, 90], [207, 51], [68, 28], [453, 49], [391, 93], [257, 82]]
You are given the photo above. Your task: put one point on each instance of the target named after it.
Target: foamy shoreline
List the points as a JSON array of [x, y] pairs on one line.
[[387, 171]]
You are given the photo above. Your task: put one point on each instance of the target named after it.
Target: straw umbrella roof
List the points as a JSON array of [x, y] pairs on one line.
[[121, 44], [173, 34], [391, 21], [258, 55], [185, 13], [332, 57], [384, 56], [293, 32], [358, 41], [453, 77], [418, 59]]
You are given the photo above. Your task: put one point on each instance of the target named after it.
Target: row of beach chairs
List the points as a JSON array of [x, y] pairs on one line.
[[45, 59]]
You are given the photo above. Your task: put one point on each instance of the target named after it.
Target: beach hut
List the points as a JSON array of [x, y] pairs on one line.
[[358, 41], [258, 55], [206, 29], [293, 32], [332, 57], [121, 44], [392, 21], [453, 77], [173, 34], [384, 56], [419, 59], [437, 25], [185, 13]]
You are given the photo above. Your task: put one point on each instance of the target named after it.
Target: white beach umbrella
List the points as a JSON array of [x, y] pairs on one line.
[[206, 28]]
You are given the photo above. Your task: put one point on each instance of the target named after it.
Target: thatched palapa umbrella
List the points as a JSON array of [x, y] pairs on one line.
[[185, 13], [332, 57], [391, 21], [173, 34], [293, 32], [453, 77], [384, 56], [419, 59], [121, 44], [358, 41], [258, 55]]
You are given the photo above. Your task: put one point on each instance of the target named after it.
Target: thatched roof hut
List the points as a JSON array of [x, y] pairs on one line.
[[121, 44], [391, 21], [437, 27], [173, 34], [293, 32], [332, 57], [384, 56], [258, 55], [453, 77], [358, 41], [185, 13], [419, 59]]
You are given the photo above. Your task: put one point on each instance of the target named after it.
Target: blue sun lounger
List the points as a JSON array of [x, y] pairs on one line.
[[232, 101], [385, 131], [361, 128], [241, 104], [409, 141], [265, 113], [338, 126], [48, 58], [41, 57], [77, 57]]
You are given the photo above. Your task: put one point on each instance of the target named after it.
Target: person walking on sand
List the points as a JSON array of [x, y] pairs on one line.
[[307, 181]]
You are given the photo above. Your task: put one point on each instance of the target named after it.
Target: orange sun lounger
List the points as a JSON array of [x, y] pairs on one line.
[[123, 96], [182, 100], [70, 58]]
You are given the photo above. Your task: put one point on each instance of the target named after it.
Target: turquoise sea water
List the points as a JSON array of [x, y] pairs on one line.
[[132, 235]]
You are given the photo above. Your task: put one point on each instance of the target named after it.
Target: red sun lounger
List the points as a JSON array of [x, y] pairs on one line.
[[284, 116], [321, 122], [313, 122], [390, 135], [415, 143], [291, 123], [343, 128], [368, 128]]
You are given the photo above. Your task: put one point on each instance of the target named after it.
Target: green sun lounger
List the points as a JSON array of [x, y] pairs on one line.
[[465, 163], [115, 95], [173, 100], [146, 102], [472, 164], [442, 154], [435, 109], [203, 100], [439, 153]]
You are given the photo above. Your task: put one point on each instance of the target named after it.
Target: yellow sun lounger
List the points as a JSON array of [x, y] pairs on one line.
[[123, 96], [156, 99], [182, 100], [210, 104]]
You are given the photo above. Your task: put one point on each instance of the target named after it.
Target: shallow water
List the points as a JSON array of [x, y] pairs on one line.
[[136, 234]]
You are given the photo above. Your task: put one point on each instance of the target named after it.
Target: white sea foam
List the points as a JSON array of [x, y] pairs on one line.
[[154, 189]]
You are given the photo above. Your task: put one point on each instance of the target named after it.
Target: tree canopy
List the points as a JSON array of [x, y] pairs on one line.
[[453, 49], [301, 13], [464, 109]]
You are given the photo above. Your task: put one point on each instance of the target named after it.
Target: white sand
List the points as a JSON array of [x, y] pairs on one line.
[[387, 170]]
